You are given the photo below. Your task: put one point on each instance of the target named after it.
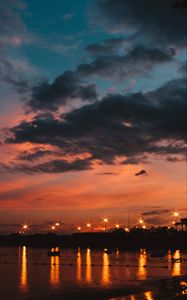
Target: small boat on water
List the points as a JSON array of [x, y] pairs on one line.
[[54, 252], [107, 251], [176, 260]]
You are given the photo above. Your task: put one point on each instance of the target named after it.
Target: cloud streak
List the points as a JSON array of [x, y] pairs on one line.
[[156, 212], [137, 61]]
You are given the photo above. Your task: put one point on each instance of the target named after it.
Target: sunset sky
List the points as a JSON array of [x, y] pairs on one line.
[[92, 111]]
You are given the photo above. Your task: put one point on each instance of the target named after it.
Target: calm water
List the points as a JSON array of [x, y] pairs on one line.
[[27, 273]]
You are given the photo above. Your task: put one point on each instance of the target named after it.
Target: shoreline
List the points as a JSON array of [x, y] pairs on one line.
[[133, 240]]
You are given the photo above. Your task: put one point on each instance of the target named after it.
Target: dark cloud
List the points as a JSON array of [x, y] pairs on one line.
[[34, 154], [65, 87], [156, 21], [106, 47], [157, 118], [12, 32], [10, 74], [140, 173], [10, 20], [60, 166], [156, 221], [53, 166], [173, 159], [106, 173], [156, 212], [183, 69], [71, 85], [134, 160], [137, 61]]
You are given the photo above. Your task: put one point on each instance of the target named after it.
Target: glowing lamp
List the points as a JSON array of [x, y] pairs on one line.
[[176, 214], [25, 226], [141, 221]]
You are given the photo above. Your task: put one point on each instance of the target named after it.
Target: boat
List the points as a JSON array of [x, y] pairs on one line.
[[54, 252], [107, 251], [176, 260]]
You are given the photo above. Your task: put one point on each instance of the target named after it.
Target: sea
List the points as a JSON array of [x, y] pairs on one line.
[[30, 273]]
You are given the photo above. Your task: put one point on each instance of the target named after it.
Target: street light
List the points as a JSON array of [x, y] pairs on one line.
[[25, 226], [117, 226], [105, 220], [141, 221], [53, 227], [176, 214], [79, 228], [57, 224]]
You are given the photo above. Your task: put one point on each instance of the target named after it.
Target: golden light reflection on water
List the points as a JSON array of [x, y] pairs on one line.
[[176, 267], [117, 253], [23, 275], [79, 270], [142, 260], [169, 260], [148, 295], [105, 269], [88, 266], [54, 270]]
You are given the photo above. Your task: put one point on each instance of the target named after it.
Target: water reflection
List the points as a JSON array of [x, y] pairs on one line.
[[142, 272], [176, 266], [79, 271], [117, 253], [148, 295], [54, 270], [105, 269], [88, 266], [169, 260], [23, 275]]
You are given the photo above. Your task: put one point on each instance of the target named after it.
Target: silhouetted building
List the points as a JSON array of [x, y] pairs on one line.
[[182, 223]]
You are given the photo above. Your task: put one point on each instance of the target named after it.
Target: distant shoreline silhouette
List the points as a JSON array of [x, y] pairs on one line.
[[133, 240]]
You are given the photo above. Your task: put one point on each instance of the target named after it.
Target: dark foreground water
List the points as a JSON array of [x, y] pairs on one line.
[[27, 273]]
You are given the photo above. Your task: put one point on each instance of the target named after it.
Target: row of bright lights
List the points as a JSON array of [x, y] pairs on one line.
[[105, 220], [88, 225]]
